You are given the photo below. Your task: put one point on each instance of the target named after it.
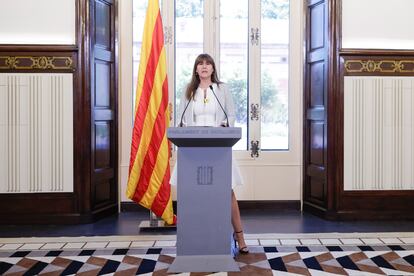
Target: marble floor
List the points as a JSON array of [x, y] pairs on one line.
[[280, 242], [388, 253]]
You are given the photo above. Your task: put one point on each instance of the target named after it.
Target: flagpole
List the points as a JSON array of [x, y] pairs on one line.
[[149, 170]]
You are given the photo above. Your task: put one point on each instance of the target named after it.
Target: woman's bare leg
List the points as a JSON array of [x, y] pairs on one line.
[[236, 221]]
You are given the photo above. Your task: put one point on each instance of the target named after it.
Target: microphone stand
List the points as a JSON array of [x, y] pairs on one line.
[[182, 115], [227, 118]]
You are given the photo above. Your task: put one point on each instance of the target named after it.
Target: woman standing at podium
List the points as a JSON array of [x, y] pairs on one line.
[[208, 102]]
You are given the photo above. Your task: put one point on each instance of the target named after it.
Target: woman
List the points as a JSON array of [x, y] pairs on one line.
[[199, 107]]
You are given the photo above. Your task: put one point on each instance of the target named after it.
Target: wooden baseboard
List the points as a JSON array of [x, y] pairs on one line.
[[348, 215], [276, 205], [58, 219]]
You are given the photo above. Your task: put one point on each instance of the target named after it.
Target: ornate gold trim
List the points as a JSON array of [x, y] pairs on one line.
[[381, 66], [32, 62]]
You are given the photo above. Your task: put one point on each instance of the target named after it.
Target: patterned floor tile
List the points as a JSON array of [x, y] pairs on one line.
[[330, 241], [371, 241], [407, 240], [142, 243], [118, 244], [9, 246], [164, 243], [391, 240], [250, 242], [74, 245], [290, 242], [269, 242], [310, 241], [302, 256], [300, 260], [53, 245], [93, 245], [31, 246], [351, 241]]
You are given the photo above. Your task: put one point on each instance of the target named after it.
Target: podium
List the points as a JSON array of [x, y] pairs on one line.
[[204, 231]]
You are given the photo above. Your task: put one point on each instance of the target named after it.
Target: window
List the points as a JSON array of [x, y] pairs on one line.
[[249, 41], [188, 42], [274, 67], [234, 53], [138, 15]]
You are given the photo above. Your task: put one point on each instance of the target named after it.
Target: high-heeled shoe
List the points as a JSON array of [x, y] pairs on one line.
[[244, 249]]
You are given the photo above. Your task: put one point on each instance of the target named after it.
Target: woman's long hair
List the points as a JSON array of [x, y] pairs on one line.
[[195, 79]]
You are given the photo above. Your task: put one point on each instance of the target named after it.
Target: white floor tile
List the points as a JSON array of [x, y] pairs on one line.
[[31, 246], [407, 240], [74, 245], [142, 244], [120, 244], [289, 242], [372, 241], [269, 242], [252, 242], [95, 245], [53, 245], [352, 241], [164, 243], [11, 246], [310, 241], [330, 241], [391, 240]]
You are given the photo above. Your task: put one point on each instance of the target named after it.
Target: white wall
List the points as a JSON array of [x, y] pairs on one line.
[[37, 22], [377, 24]]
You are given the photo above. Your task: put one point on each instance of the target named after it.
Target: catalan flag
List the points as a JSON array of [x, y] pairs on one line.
[[149, 169]]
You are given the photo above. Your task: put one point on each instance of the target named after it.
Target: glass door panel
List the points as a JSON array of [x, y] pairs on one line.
[[188, 43], [274, 75], [233, 59]]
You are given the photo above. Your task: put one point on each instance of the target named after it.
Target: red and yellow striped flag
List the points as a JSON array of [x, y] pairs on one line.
[[149, 168]]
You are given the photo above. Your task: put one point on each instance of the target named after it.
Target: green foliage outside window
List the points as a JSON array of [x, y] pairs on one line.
[[270, 9], [275, 9], [189, 8]]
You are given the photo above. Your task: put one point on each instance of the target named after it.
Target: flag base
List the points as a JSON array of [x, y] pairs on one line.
[[154, 223], [147, 225]]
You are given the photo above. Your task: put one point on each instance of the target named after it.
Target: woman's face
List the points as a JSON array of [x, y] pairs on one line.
[[204, 69]]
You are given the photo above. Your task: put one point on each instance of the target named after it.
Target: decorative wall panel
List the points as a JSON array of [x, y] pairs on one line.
[[36, 133], [378, 133]]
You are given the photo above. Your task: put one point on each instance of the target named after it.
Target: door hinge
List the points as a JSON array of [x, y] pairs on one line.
[[254, 148]]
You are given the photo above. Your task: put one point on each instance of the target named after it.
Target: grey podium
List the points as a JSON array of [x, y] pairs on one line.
[[204, 231]]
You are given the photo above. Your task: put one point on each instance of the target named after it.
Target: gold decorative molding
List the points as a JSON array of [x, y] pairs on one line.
[[380, 66], [36, 63]]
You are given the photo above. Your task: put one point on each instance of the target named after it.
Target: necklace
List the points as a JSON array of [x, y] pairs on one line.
[[205, 97]]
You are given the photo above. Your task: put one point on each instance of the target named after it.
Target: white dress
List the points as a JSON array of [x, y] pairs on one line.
[[204, 114]]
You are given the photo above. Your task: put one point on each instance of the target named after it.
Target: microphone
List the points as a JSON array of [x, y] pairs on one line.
[[227, 118], [182, 115]]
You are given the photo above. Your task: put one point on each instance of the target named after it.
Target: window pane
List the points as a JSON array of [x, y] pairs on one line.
[[189, 43], [234, 57], [274, 68], [139, 10]]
